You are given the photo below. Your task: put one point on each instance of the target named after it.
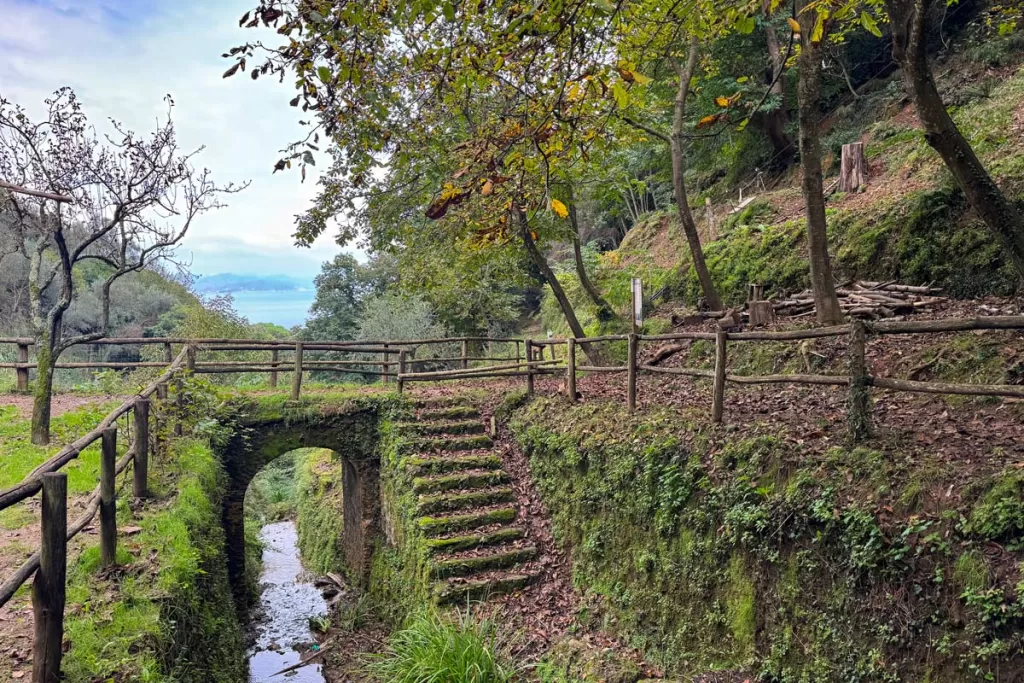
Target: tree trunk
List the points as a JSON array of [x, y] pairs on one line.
[[556, 287], [707, 285], [826, 303], [775, 121], [604, 310], [909, 21], [45, 358]]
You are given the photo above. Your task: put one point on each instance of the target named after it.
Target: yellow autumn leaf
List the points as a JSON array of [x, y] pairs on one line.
[[793, 24], [722, 101], [559, 208], [487, 189]]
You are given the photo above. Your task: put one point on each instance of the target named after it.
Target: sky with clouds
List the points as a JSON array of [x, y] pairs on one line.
[[122, 56]]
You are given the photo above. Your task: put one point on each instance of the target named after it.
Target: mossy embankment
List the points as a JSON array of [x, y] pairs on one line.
[[166, 613], [712, 549]]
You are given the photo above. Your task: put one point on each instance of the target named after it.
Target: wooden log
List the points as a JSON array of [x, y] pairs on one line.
[[665, 352], [677, 336], [274, 358], [168, 353], [140, 470], [718, 390], [760, 313], [994, 322], [631, 368], [49, 585], [858, 410], [853, 169], [384, 365], [465, 354], [22, 373], [570, 369], [108, 500], [602, 368], [190, 358]]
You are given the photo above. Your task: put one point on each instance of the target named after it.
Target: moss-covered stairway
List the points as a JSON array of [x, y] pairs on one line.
[[465, 507]]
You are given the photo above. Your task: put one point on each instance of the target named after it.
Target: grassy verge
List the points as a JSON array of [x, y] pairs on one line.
[[167, 614]]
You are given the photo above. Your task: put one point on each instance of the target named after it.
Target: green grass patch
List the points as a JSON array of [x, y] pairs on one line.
[[453, 649]]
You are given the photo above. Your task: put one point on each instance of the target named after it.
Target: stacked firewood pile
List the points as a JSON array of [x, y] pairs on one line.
[[866, 300]]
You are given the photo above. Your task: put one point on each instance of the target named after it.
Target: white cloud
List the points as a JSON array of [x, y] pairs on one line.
[[122, 56]]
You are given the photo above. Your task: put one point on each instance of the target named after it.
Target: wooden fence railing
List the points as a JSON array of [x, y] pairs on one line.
[[49, 564]]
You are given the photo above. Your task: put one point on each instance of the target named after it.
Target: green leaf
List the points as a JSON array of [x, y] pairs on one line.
[[604, 6], [620, 95], [745, 24], [324, 73], [870, 25], [449, 11]]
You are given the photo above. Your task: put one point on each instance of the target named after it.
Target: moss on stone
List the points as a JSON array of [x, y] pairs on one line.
[[451, 482], [433, 526], [419, 466], [458, 501], [460, 427], [469, 541], [478, 563]]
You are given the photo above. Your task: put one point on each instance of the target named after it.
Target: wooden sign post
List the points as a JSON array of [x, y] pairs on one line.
[[638, 304]]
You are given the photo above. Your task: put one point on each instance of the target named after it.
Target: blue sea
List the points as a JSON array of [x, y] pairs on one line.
[[287, 309]]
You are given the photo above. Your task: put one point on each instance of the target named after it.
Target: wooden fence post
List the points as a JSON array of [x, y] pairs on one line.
[[570, 369], [718, 394], [465, 354], [528, 346], [385, 356], [190, 359], [401, 370], [631, 369], [273, 373], [858, 414], [518, 351], [108, 501], [168, 354], [297, 378], [22, 373], [160, 420], [140, 468], [179, 402], [49, 585]]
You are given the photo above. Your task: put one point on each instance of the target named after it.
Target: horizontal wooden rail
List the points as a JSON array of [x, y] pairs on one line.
[[689, 372], [29, 567], [602, 368], [1009, 390], [674, 336]]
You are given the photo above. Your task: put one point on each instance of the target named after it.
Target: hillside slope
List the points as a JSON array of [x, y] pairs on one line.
[[910, 223]]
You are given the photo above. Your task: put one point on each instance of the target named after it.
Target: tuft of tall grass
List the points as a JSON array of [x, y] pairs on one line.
[[433, 648]]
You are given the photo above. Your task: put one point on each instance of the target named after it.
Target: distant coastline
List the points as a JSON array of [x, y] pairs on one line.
[[232, 283]]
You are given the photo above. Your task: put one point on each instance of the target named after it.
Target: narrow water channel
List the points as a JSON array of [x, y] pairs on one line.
[[288, 601]]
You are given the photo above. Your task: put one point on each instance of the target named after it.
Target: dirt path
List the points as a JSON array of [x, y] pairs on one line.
[[61, 404]]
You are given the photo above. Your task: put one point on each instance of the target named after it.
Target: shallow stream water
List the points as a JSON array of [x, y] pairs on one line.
[[287, 602]]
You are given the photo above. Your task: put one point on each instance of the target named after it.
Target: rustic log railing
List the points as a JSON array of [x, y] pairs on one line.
[[49, 564]]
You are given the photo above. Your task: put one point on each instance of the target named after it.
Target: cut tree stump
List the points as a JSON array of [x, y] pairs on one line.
[[854, 170]]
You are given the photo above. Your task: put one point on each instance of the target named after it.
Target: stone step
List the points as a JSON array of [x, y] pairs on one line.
[[449, 502], [449, 413], [474, 564], [447, 444], [481, 588], [436, 427], [418, 466], [437, 401], [437, 526], [453, 544], [473, 479]]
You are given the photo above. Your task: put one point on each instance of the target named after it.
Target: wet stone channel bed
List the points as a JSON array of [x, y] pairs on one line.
[[288, 601]]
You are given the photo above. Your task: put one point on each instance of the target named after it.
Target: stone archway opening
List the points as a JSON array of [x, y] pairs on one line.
[[351, 438]]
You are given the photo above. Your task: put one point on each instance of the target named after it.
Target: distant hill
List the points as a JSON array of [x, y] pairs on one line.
[[230, 282]]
